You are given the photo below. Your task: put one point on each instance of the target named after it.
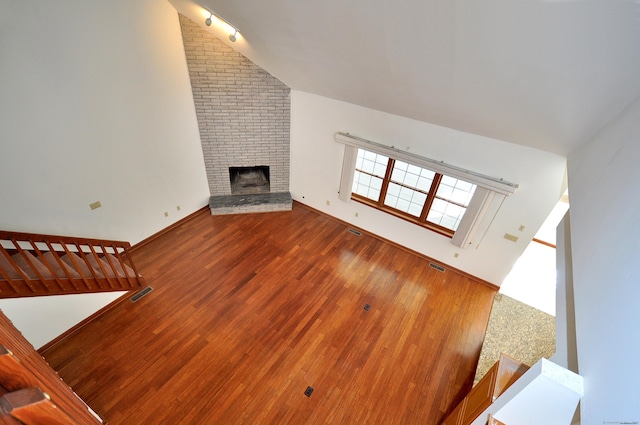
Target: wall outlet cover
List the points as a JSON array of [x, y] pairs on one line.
[[510, 237]]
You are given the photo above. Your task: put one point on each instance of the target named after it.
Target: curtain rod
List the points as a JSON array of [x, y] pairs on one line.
[[484, 180]]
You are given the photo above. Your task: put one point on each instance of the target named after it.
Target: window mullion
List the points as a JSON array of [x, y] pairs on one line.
[[432, 195], [385, 181]]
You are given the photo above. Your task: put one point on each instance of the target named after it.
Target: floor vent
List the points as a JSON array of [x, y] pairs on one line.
[[437, 267], [141, 294], [355, 232]]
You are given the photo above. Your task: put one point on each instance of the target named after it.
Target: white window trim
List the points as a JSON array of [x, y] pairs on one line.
[[483, 207]]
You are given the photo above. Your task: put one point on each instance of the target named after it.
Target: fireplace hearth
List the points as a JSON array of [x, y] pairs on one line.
[[250, 193]]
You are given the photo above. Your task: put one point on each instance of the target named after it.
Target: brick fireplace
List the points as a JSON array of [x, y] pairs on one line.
[[243, 116]]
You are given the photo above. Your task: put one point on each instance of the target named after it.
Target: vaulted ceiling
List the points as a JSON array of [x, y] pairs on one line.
[[546, 74]]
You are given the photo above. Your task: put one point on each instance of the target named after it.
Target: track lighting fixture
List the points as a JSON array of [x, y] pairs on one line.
[[221, 22]]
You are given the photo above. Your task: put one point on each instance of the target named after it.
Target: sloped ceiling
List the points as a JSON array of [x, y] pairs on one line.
[[545, 74]]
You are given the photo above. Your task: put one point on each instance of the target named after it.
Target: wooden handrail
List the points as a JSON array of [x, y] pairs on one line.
[[21, 367], [5, 234], [34, 264], [32, 406]]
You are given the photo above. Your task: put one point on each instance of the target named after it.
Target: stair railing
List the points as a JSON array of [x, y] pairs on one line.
[[35, 264], [32, 392]]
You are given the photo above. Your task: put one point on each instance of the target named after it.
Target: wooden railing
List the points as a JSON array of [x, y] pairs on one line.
[[31, 391], [35, 265], [496, 381]]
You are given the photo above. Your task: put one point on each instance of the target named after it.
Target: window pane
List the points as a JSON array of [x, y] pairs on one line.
[[362, 178], [449, 181], [439, 206], [403, 205], [405, 199], [411, 179], [414, 170], [444, 191], [368, 155], [393, 193], [415, 209], [455, 211], [424, 183], [391, 200], [419, 199], [461, 196], [376, 184], [393, 190], [466, 186], [406, 193], [446, 214], [401, 165], [411, 175], [373, 194], [372, 163], [454, 190], [398, 175], [434, 217], [448, 222], [366, 185], [380, 169], [367, 166]]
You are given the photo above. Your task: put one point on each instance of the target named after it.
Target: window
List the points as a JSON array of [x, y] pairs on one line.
[[431, 199]]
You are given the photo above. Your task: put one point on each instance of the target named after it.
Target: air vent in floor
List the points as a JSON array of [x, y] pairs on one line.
[[437, 267], [355, 232], [141, 294]]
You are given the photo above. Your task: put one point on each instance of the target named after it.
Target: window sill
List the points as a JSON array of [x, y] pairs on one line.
[[399, 214]]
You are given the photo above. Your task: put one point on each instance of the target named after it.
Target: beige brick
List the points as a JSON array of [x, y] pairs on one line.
[[243, 112]]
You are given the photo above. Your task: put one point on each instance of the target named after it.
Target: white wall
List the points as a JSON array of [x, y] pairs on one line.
[[95, 105], [604, 180], [40, 319], [316, 161]]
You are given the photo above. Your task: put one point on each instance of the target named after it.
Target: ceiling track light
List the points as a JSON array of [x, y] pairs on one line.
[[233, 31]]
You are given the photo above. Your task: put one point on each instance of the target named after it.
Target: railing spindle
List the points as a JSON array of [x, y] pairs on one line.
[[90, 265]]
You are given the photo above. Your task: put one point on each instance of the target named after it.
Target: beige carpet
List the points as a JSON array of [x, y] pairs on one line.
[[519, 331]]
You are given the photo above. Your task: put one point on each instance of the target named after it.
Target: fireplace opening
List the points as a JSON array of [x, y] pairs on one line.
[[249, 180]]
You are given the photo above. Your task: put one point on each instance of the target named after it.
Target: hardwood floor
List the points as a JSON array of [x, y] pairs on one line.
[[247, 311]]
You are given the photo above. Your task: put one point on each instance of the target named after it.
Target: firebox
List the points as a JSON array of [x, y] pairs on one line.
[[249, 180]]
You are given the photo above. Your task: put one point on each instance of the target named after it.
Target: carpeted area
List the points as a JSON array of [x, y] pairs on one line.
[[517, 330]]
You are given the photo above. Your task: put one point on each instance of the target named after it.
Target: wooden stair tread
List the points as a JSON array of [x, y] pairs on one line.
[[81, 265], [57, 268], [126, 272], [94, 263], [8, 268], [20, 259]]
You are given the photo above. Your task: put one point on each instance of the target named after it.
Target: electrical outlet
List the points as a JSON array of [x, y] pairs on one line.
[[522, 227], [509, 237], [95, 205], [328, 202], [357, 214], [166, 214], [178, 208], [456, 255]]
